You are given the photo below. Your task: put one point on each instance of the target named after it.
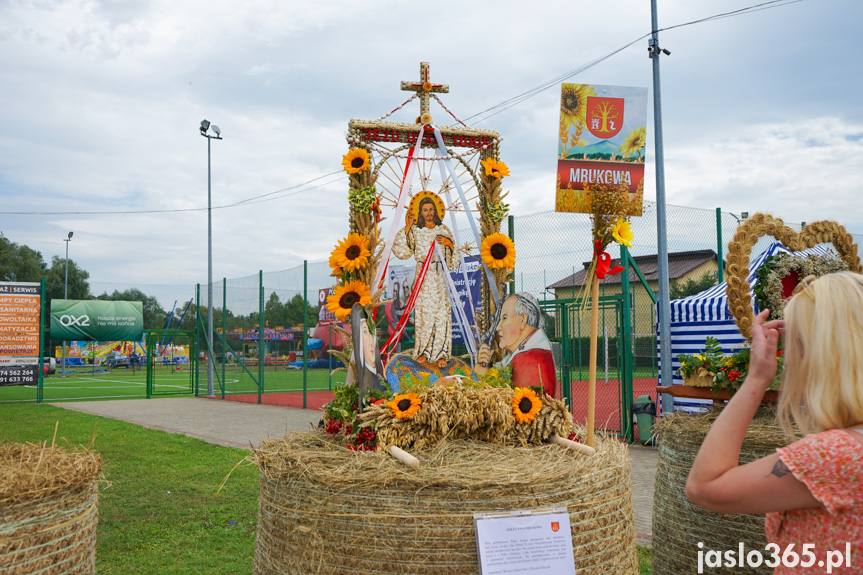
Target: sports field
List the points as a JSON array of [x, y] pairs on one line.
[[88, 383]]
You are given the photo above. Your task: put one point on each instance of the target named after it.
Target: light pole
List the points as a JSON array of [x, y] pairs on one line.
[[205, 127], [66, 295]]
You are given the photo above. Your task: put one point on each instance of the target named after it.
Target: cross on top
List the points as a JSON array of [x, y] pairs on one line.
[[424, 87]]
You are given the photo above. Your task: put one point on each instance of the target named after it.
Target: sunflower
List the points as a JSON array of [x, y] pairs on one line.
[[352, 253], [356, 161], [498, 252], [341, 302], [573, 103], [525, 405], [494, 168], [334, 265], [622, 232], [634, 142], [405, 406]]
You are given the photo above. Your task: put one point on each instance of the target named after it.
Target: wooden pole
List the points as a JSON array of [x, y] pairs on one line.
[[594, 329]]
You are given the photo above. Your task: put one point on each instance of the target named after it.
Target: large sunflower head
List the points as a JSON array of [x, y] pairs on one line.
[[498, 252], [525, 405], [344, 298], [356, 161], [622, 232], [573, 103], [495, 168], [634, 142], [352, 253], [405, 406]]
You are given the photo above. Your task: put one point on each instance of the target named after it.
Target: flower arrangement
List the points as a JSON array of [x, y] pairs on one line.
[[699, 369], [712, 368], [340, 416], [778, 275]]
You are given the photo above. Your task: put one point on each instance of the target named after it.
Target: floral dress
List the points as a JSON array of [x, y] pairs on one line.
[[432, 311], [830, 463]]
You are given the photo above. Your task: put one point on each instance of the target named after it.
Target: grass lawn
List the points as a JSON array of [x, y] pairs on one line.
[[161, 513]]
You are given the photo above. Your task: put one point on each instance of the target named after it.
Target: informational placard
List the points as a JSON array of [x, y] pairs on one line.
[[527, 542], [20, 307], [96, 320], [601, 143]]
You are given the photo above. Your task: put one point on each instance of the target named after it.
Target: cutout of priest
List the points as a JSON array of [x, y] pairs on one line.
[[527, 347]]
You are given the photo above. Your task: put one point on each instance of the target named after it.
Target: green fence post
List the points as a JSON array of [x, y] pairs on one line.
[[305, 331], [224, 330], [330, 359], [39, 376], [626, 347], [511, 222], [149, 378], [197, 363], [720, 265], [262, 336]]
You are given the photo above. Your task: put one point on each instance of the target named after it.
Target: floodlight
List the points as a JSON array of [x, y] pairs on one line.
[[70, 235], [744, 215], [205, 125], [217, 130]]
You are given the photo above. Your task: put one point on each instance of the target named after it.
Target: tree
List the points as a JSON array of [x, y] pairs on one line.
[[55, 280], [19, 263], [691, 287], [154, 315]]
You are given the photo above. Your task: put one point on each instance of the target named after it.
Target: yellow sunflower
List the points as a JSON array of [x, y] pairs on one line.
[[494, 168], [622, 232], [525, 405], [356, 161], [634, 142], [341, 302], [405, 406], [498, 252], [573, 103], [334, 265], [352, 253]]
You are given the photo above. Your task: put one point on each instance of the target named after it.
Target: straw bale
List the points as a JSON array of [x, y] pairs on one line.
[[325, 509], [678, 525], [48, 509], [459, 412]]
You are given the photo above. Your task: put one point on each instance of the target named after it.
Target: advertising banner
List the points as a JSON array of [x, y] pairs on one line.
[[325, 316], [96, 320], [602, 141], [20, 306]]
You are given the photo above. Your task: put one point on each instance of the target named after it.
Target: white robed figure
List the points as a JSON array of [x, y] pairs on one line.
[[432, 311]]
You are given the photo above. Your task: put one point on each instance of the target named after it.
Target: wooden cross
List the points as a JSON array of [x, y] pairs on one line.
[[424, 88]]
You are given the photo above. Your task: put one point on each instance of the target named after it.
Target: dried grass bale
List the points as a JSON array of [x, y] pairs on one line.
[[48, 509], [459, 412], [325, 509], [678, 525]]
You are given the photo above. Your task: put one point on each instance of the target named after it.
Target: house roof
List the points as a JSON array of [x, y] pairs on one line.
[[679, 264]]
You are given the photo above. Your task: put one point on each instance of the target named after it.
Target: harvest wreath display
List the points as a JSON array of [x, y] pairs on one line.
[[774, 284]]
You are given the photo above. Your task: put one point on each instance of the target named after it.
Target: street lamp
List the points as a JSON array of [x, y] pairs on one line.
[[66, 295], [205, 127]]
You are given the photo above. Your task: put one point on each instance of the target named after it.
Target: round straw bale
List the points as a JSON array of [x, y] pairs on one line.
[[678, 525], [48, 509], [326, 509]]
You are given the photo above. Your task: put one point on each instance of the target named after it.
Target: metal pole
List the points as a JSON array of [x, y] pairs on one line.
[[209, 276], [66, 296], [661, 229], [720, 265], [306, 333]]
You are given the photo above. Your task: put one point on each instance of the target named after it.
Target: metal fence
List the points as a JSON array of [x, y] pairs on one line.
[[280, 367]]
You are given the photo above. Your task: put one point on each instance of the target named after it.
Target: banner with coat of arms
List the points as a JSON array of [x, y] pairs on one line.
[[601, 142]]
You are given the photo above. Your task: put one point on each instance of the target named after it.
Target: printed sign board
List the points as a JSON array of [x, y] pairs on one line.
[[96, 320], [20, 308], [601, 143]]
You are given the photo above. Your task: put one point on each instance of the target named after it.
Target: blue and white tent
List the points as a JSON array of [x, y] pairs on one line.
[[698, 316]]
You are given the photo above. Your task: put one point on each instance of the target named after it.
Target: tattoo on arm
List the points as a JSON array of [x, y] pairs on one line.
[[780, 469]]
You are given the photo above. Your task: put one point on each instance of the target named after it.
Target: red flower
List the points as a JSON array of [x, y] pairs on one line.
[[574, 437], [780, 352], [333, 427]]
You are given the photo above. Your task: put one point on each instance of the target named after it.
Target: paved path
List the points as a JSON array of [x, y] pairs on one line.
[[236, 424]]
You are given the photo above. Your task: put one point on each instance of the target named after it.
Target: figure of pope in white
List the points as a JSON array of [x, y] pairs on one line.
[[432, 312]]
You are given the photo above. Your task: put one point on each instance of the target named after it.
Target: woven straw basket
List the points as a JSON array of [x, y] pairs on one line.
[[701, 379]]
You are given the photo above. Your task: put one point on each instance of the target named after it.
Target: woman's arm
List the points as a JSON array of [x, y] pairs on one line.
[[716, 481]]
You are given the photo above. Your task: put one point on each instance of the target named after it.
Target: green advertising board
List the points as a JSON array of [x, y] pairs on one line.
[[96, 320]]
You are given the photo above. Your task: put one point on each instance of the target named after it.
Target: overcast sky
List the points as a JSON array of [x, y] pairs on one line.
[[100, 103]]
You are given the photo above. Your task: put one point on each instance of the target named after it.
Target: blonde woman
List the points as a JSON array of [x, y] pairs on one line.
[[811, 490]]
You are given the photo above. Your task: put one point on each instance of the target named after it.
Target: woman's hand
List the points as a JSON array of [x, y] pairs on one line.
[[765, 342]]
